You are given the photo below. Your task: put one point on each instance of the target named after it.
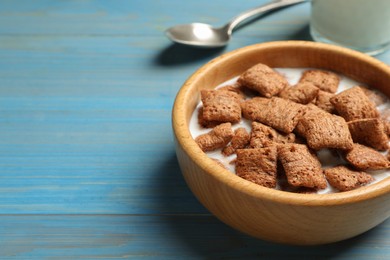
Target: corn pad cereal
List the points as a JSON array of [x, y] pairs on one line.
[[323, 101], [324, 80], [345, 179], [276, 112], [221, 106], [326, 131], [302, 93], [264, 80], [258, 165], [218, 137], [317, 133], [354, 104], [240, 140], [364, 158], [264, 136], [371, 132], [302, 168]]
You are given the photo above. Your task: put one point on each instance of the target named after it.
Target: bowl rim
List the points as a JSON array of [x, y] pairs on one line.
[[189, 146]]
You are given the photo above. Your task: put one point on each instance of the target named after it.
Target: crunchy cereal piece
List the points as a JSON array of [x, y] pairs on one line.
[[285, 186], [326, 131], [221, 106], [263, 79], [263, 136], [302, 93], [344, 179], [323, 101], [258, 165], [375, 96], [324, 80], [236, 89], [311, 111], [252, 108], [240, 140], [302, 168], [203, 122], [370, 132], [353, 104], [365, 158], [278, 113], [218, 137]]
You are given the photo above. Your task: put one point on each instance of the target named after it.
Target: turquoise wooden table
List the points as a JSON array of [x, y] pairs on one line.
[[87, 162]]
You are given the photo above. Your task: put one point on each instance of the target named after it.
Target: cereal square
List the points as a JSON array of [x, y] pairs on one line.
[[263, 136], [354, 104], [302, 93], [263, 79], [276, 112], [233, 88], [258, 165], [217, 138], [371, 132], [239, 141], [364, 158], [345, 179], [203, 122], [221, 106], [326, 131], [311, 111], [323, 101], [324, 80], [302, 168]]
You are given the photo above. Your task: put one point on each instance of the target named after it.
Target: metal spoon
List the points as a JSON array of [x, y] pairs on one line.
[[204, 35]]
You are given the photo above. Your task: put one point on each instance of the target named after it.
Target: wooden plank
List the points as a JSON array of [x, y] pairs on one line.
[[86, 89], [81, 102], [162, 237], [70, 104], [134, 17], [69, 123]]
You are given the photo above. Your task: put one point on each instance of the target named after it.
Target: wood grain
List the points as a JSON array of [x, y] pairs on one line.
[[86, 91], [162, 237]]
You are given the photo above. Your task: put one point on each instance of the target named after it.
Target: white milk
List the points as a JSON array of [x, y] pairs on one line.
[[326, 158], [359, 24]]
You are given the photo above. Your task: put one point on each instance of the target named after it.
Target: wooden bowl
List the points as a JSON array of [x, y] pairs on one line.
[[279, 216]]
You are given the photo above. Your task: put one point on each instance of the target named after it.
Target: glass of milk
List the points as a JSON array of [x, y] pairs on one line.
[[363, 25]]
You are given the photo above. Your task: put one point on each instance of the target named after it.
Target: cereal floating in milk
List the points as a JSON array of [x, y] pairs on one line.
[[324, 80], [354, 104], [296, 130], [369, 131], [344, 179], [365, 158]]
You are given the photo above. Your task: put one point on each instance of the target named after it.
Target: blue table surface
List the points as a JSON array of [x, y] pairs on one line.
[[87, 161]]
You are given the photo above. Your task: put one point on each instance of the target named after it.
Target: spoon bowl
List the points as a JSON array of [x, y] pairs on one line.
[[199, 34]]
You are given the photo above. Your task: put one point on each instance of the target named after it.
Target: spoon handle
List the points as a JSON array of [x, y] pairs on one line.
[[258, 10]]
